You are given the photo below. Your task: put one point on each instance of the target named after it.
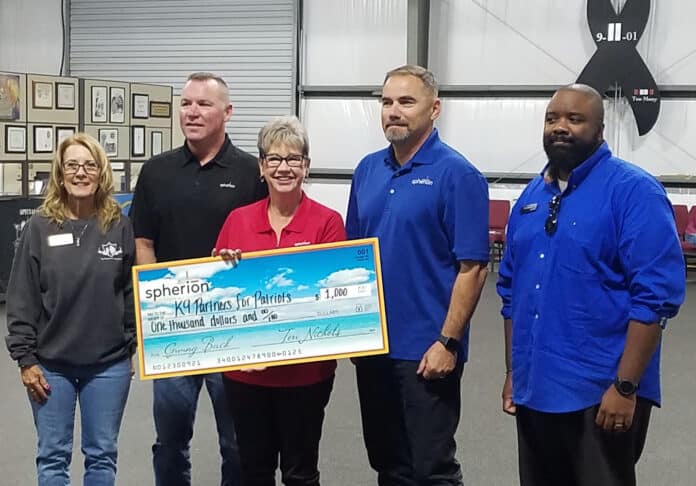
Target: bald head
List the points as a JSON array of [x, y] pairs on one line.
[[593, 97]]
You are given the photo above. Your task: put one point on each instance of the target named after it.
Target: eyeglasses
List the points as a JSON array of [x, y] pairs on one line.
[[293, 160], [552, 220], [72, 166]]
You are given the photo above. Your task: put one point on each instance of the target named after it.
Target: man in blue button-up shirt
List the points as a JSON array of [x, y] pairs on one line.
[[592, 270], [429, 208]]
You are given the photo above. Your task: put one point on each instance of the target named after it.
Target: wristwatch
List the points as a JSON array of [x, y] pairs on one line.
[[625, 387], [450, 344]]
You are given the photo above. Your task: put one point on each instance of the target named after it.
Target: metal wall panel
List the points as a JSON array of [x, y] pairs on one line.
[[250, 43]]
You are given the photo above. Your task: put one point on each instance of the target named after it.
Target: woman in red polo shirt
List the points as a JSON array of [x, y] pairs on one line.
[[280, 410]]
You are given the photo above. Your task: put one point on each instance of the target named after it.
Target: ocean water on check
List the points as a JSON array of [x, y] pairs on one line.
[[327, 335]]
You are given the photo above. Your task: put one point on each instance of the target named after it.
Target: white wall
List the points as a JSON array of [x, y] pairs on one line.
[[359, 39], [31, 36]]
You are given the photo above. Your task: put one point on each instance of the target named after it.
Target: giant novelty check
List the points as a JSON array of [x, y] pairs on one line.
[[291, 305]]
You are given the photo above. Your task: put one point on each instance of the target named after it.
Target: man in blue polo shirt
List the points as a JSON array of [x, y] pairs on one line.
[[429, 208], [592, 270]]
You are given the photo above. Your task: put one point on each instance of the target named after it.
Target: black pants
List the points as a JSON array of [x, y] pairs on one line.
[[278, 420], [569, 449], [409, 422]]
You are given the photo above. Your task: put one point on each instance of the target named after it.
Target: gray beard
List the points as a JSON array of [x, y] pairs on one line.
[[396, 136]]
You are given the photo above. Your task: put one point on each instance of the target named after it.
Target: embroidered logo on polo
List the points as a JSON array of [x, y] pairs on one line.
[[110, 251], [228, 185], [617, 61], [423, 181]]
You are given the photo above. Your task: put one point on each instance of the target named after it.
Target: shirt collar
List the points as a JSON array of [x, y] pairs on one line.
[[581, 172], [219, 158], [421, 157], [261, 223]]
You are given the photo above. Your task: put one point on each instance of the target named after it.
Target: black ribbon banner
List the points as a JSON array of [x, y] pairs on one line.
[[617, 60]]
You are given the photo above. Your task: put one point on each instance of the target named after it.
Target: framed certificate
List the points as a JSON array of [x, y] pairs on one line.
[[65, 96], [141, 106], [137, 141], [15, 139], [42, 95], [156, 143], [43, 139], [63, 132], [160, 109], [277, 307]]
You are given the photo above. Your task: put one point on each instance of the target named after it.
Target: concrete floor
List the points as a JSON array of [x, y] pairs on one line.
[[486, 437]]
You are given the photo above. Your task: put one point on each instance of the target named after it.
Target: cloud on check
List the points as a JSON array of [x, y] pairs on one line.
[[280, 279], [346, 277]]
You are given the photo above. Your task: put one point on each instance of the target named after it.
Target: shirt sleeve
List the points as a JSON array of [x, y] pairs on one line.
[[128, 303], [333, 229], [24, 305], [141, 211], [466, 216], [650, 254]]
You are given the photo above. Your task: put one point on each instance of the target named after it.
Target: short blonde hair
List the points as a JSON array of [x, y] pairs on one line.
[[55, 204], [283, 129]]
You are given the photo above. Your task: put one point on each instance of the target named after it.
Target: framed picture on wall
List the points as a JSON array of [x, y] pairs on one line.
[[117, 105], [43, 139], [15, 139], [156, 145], [42, 95], [98, 104], [141, 106], [9, 97], [160, 109], [63, 132], [138, 141], [65, 96], [108, 138]]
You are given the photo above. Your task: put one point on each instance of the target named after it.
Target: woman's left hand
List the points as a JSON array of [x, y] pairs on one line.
[[35, 382]]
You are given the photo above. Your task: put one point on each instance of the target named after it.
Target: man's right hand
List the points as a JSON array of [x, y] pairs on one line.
[[509, 406], [37, 386]]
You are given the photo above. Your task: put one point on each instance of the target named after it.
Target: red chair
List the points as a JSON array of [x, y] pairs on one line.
[[681, 215], [689, 249], [498, 215]]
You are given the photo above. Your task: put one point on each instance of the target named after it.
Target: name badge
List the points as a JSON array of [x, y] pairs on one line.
[[529, 208], [61, 239]]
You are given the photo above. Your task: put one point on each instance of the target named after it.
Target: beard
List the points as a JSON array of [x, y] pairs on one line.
[[567, 157], [397, 133]]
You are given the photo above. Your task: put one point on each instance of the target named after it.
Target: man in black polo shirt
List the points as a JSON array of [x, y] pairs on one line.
[[181, 201]]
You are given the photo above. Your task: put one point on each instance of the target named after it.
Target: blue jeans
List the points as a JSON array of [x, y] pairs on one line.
[[174, 407], [102, 392]]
